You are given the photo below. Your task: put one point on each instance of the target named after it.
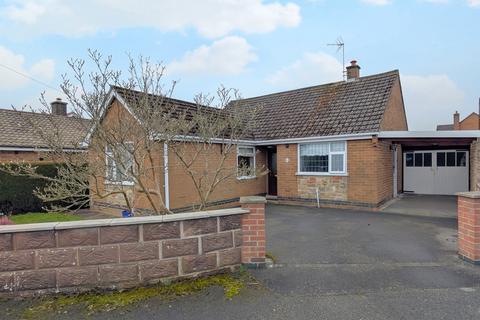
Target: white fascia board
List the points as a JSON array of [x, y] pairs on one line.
[[429, 134], [113, 94], [342, 137]]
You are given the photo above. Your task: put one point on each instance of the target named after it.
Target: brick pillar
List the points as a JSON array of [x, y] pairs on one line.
[[468, 210], [253, 231]]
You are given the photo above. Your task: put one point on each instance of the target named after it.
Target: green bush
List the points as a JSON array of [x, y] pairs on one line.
[[17, 193]]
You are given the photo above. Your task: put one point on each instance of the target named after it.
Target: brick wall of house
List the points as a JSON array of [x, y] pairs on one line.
[[394, 118], [28, 156], [369, 181], [470, 123], [475, 166], [183, 194], [119, 253]]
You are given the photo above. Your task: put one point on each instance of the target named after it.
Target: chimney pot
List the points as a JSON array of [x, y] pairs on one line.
[[59, 107], [353, 70], [456, 121]]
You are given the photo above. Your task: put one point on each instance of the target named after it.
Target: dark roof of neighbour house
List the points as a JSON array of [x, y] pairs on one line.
[[345, 107], [20, 129], [444, 127]]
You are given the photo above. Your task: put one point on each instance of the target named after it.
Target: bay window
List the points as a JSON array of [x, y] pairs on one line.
[[322, 158]]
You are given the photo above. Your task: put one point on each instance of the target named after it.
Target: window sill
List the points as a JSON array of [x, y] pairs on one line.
[[322, 174], [246, 178], [119, 183]]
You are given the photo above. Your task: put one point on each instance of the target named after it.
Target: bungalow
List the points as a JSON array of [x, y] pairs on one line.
[[342, 144]]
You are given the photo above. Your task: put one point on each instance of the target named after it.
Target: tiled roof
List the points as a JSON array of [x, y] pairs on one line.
[[344, 107], [21, 129], [444, 127]]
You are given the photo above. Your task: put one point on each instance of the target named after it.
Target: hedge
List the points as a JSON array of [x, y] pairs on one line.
[[16, 193]]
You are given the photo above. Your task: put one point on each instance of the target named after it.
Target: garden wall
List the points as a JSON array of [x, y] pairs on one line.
[[127, 252]]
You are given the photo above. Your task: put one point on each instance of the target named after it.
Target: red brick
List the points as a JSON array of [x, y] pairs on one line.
[[77, 237], [139, 251], [34, 240]]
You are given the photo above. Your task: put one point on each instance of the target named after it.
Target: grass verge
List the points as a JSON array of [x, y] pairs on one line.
[[40, 217], [94, 302]]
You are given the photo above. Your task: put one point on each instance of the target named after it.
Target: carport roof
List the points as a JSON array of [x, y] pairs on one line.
[[429, 134]]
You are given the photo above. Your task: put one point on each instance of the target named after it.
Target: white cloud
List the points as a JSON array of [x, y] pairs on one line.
[[43, 70], [430, 100], [377, 2], [311, 69], [473, 3], [229, 55], [211, 18]]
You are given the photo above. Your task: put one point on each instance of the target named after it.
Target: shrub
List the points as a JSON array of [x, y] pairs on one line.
[[17, 192]]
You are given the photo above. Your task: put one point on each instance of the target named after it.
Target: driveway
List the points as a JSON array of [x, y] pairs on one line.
[[341, 264], [423, 205]]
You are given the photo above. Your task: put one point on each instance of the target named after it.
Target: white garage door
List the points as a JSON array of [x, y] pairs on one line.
[[436, 171]]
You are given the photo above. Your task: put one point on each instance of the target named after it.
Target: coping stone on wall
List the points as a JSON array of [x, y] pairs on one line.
[[120, 221]]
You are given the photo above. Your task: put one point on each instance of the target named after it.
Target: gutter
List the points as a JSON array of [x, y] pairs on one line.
[[39, 149]]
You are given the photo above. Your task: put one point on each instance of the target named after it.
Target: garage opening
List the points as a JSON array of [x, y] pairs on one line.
[[441, 172]]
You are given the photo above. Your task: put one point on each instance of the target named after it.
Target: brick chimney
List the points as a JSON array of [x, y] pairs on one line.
[[456, 121], [59, 107], [353, 70]]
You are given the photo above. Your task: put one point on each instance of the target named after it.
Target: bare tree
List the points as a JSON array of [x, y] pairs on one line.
[[120, 157]]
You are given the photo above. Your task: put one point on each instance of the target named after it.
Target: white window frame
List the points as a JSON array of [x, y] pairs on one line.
[[254, 161], [114, 164], [330, 153]]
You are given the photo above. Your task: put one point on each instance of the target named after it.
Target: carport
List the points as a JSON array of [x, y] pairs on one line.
[[434, 162]]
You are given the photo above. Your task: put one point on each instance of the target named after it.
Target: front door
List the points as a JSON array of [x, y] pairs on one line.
[[272, 172], [443, 172]]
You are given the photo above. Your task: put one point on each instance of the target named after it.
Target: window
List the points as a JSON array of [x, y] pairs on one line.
[[461, 159], [418, 159], [119, 162], [246, 162], [450, 159], [427, 159], [440, 159], [325, 157], [409, 159]]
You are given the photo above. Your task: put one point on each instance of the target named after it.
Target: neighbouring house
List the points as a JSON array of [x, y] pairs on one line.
[[471, 122], [20, 138]]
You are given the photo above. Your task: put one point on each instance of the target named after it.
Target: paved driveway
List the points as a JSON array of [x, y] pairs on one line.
[[342, 264], [424, 205]]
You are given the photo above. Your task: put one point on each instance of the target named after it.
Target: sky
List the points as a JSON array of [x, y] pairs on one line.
[[256, 46]]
